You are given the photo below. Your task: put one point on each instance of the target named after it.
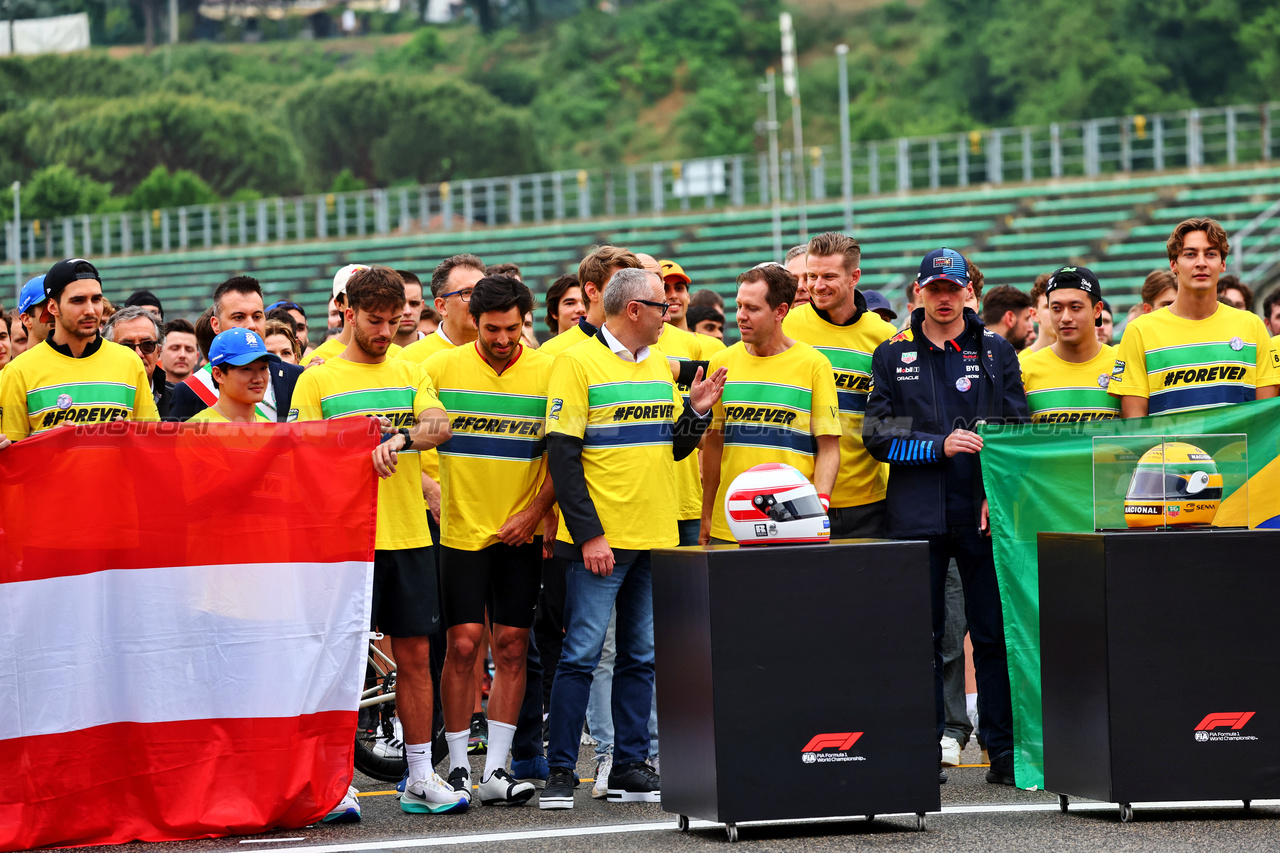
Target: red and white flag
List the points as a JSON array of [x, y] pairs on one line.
[[183, 618]]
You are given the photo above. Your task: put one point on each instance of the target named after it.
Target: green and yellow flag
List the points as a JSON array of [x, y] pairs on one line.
[[1040, 477]]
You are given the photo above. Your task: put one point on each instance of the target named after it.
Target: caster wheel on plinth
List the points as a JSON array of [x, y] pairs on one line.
[[1063, 802], [919, 822], [732, 830], [682, 823], [1126, 813]]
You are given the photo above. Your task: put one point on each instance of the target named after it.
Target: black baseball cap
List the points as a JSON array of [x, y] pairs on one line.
[[1078, 278], [60, 275], [143, 297]]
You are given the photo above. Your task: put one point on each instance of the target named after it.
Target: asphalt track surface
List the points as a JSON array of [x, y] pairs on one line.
[[976, 816]]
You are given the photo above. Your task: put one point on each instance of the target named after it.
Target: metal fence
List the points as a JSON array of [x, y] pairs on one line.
[[1187, 139]]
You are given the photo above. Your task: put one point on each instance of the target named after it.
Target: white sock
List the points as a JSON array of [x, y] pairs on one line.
[[500, 737], [419, 755], [458, 749]]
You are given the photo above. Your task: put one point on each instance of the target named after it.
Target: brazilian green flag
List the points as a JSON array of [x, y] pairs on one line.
[[1040, 477]]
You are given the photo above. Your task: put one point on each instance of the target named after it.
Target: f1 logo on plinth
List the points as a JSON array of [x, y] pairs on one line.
[[1208, 728], [826, 748]]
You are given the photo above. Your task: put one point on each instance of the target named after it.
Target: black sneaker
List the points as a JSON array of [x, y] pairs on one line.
[[460, 780], [558, 793], [942, 777], [634, 783], [1001, 770], [478, 741]]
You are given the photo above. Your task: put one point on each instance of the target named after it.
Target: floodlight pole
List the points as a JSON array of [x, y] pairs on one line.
[[17, 242], [775, 190], [791, 85], [846, 152]]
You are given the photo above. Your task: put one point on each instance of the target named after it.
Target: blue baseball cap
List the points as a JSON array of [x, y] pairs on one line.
[[944, 265], [238, 347], [32, 293], [876, 302]]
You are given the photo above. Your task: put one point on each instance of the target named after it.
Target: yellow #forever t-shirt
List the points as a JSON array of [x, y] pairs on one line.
[[771, 410], [394, 389]]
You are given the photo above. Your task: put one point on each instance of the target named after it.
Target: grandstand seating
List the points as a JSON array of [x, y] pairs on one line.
[[1116, 225]]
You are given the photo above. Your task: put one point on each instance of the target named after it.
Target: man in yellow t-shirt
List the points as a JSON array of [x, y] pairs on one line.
[[1197, 353], [613, 436], [242, 370], [779, 404], [1066, 382], [336, 346], [495, 491], [75, 375], [363, 382], [837, 323]]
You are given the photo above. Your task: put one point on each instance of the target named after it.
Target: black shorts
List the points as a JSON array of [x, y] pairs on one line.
[[406, 592], [505, 579]]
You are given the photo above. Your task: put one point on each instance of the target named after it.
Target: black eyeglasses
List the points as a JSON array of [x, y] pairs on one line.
[[144, 347], [664, 306], [464, 294]]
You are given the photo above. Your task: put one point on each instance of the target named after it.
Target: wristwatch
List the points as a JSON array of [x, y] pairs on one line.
[[408, 439]]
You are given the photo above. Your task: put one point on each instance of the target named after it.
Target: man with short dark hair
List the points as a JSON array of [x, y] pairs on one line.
[[565, 305], [932, 384], [359, 382], [299, 315], [138, 328], [837, 323], [1007, 312], [179, 355], [1235, 292], [145, 299], [1106, 329], [676, 281], [1197, 353], [705, 320], [237, 304], [336, 345], [779, 402], [495, 491], [1271, 311], [407, 332], [75, 375], [452, 283]]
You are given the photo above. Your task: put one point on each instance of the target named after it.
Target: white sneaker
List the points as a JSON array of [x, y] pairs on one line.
[[502, 790], [950, 751], [432, 796], [347, 811], [588, 740], [601, 788], [392, 747]]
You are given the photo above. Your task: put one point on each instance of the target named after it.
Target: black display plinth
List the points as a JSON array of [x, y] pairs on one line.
[[1159, 667], [795, 682]]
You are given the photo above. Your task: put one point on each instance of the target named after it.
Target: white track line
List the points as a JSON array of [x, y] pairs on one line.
[[669, 826]]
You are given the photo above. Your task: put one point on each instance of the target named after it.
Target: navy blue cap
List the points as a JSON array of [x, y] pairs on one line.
[[877, 302], [238, 347], [32, 293], [287, 305], [946, 265]]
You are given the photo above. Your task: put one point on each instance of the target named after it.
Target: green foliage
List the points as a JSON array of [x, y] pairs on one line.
[[162, 188], [59, 191], [345, 182], [422, 52]]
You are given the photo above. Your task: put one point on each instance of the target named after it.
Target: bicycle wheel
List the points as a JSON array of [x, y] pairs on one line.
[[379, 751]]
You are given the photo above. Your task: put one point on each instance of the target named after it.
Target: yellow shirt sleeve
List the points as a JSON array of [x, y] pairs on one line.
[[305, 403], [14, 420], [426, 397], [1268, 372], [567, 404], [824, 413], [1129, 376]]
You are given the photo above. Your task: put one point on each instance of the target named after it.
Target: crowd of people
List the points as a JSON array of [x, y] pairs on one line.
[[524, 486]]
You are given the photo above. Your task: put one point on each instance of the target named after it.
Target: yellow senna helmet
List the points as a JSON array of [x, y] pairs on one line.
[[1175, 484]]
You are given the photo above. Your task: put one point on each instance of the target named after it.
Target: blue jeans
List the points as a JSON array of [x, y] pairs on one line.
[[689, 531], [982, 608], [599, 717], [589, 599]]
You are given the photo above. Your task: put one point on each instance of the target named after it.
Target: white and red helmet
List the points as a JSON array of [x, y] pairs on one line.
[[773, 504]]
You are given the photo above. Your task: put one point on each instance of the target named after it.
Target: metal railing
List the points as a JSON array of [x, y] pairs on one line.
[[1166, 141], [1257, 246]]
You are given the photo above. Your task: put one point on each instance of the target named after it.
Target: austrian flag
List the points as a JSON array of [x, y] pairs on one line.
[[183, 620]]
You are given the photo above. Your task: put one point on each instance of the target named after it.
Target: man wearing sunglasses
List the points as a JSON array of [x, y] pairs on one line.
[[135, 328]]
